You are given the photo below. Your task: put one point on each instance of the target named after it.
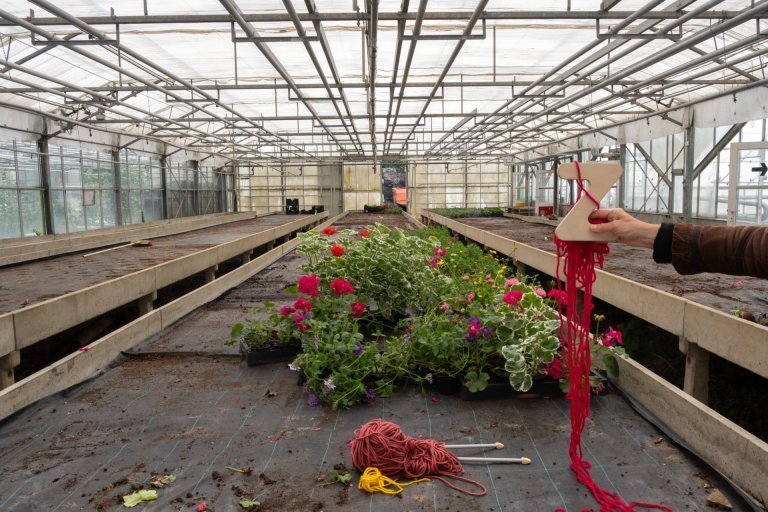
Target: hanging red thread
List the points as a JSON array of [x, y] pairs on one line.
[[578, 262], [383, 445]]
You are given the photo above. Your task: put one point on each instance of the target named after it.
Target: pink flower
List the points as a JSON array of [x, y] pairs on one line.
[[445, 306], [465, 277], [337, 250], [330, 230], [308, 285], [202, 507], [489, 281], [738, 284], [358, 308], [303, 304], [286, 310], [511, 282], [341, 287], [612, 338], [470, 297], [540, 292], [513, 297], [439, 251], [487, 276]]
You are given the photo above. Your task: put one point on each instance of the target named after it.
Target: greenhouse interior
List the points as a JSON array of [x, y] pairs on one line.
[[383, 255]]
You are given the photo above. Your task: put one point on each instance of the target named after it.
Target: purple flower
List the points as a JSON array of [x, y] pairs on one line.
[[312, 399], [470, 338], [359, 349], [486, 332], [328, 385], [369, 396], [474, 320], [428, 378]]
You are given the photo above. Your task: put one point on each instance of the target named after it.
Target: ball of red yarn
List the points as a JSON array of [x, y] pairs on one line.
[[383, 445]]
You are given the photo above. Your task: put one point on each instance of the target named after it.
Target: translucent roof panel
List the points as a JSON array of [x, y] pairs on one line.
[[298, 84]]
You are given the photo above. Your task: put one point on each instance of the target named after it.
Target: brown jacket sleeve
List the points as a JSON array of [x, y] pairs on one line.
[[736, 250]]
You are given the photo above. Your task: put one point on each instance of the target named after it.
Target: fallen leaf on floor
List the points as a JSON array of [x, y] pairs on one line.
[[249, 504], [131, 500], [269, 393], [163, 481], [717, 500]]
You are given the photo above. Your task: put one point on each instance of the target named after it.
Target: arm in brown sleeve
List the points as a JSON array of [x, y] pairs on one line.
[[735, 250]]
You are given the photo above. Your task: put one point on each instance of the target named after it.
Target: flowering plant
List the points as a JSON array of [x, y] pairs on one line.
[[270, 327]]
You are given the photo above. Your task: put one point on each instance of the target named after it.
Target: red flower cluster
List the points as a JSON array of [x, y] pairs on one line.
[[337, 250], [358, 308], [612, 338], [303, 304], [513, 297], [555, 369], [308, 285], [341, 287], [560, 296], [286, 310], [330, 230], [365, 233]]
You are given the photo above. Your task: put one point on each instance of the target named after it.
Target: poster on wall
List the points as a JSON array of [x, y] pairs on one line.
[[393, 184]]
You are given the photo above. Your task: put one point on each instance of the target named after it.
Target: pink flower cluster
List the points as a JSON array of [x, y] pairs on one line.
[[512, 297], [435, 260], [612, 338], [358, 308], [555, 369]]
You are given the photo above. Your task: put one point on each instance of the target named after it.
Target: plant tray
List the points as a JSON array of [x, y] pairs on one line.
[[259, 356], [502, 389]]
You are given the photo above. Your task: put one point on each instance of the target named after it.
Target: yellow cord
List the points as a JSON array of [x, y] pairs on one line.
[[372, 480]]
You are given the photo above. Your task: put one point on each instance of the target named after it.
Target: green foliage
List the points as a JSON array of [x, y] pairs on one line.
[[266, 328], [249, 504]]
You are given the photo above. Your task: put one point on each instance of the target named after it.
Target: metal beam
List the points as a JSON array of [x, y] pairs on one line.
[[726, 139], [654, 165], [505, 84], [383, 16]]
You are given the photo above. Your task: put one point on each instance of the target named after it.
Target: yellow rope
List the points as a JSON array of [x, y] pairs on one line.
[[372, 480]]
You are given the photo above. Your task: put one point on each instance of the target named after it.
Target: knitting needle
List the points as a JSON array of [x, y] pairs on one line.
[[501, 460], [497, 445]]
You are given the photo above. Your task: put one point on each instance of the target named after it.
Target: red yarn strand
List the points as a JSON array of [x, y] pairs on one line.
[[383, 445], [578, 260]]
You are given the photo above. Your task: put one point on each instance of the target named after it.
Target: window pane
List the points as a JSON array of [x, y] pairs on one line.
[[32, 212], [9, 214], [75, 210], [93, 212], [59, 211]]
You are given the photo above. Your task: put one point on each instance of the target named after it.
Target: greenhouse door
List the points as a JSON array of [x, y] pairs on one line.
[[748, 184]]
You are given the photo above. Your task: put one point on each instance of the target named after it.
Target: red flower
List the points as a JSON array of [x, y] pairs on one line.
[[365, 233], [513, 297], [303, 304], [337, 250], [330, 230], [341, 287], [560, 296], [358, 308], [555, 369], [286, 310], [308, 285]]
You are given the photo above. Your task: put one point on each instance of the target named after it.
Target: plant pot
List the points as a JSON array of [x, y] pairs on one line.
[[266, 355], [446, 385], [500, 388]]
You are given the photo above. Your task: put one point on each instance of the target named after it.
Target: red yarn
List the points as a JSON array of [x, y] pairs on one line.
[[383, 445], [578, 260]]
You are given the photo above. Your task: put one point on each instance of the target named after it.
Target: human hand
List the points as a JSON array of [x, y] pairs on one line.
[[627, 229]]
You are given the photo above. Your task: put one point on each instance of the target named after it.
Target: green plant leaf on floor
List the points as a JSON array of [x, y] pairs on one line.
[[162, 481], [249, 504], [342, 478], [131, 500]]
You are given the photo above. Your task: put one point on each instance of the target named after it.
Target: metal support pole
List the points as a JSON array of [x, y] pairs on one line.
[[45, 182], [688, 174]]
